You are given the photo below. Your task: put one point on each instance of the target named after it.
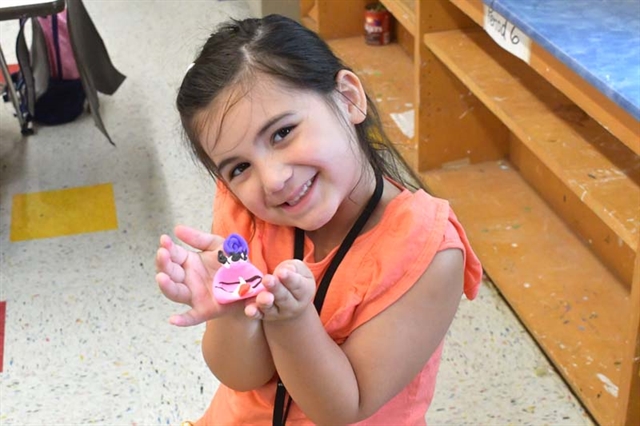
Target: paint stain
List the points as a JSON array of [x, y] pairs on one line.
[[609, 386]]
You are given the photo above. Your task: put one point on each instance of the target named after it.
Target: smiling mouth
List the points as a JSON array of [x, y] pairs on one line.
[[302, 193]]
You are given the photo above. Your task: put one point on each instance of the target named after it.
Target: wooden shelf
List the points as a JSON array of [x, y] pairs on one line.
[[309, 14], [575, 308], [597, 105], [388, 71], [310, 23], [404, 12], [333, 19], [597, 179]]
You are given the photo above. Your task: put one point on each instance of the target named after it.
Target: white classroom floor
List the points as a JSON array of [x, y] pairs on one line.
[[87, 339]]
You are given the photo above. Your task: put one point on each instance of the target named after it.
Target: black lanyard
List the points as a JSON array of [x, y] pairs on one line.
[[279, 412]]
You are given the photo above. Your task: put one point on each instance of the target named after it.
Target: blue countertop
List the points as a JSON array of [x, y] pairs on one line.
[[598, 39]]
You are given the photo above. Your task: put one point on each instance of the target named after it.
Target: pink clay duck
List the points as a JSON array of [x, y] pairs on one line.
[[237, 278]]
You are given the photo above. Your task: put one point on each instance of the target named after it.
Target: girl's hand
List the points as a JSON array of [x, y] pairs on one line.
[[185, 276], [290, 290]]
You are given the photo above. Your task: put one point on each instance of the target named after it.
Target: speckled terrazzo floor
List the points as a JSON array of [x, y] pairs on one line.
[[87, 339]]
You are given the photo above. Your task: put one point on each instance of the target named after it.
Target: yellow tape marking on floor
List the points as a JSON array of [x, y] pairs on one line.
[[63, 212]]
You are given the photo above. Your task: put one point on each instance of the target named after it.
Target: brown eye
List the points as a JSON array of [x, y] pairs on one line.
[[282, 133], [238, 170]]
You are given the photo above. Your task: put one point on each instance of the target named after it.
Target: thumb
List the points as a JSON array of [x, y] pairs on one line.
[[198, 239], [187, 319]]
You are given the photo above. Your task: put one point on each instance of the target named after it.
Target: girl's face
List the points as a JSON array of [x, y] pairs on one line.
[[285, 154]]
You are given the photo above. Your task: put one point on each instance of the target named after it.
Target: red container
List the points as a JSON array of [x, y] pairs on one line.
[[377, 25]]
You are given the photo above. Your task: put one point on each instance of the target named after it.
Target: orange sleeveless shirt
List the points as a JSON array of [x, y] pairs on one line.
[[382, 264]]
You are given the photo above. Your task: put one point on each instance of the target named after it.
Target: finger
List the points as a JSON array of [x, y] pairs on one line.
[[165, 264], [265, 300], [289, 277], [165, 246], [251, 310], [186, 319], [198, 239], [177, 253], [300, 267], [165, 241], [276, 295], [296, 277], [161, 259], [266, 306], [173, 291]]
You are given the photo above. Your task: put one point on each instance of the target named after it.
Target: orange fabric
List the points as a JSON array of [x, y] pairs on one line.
[[381, 266]]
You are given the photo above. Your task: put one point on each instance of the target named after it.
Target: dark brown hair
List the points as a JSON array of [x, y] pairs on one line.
[[282, 48]]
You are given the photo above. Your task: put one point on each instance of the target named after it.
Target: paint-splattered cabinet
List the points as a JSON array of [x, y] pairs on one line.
[[540, 163]]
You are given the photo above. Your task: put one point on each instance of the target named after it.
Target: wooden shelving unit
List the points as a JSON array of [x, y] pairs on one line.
[[595, 104], [542, 169], [594, 175]]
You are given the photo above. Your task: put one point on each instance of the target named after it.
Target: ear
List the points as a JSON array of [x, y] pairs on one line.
[[353, 95]]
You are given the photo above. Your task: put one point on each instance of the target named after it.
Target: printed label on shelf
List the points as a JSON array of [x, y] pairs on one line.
[[506, 34]]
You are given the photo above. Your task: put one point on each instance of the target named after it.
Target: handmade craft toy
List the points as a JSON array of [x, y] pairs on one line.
[[237, 278]]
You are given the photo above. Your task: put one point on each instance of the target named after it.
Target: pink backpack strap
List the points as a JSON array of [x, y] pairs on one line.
[[60, 52]]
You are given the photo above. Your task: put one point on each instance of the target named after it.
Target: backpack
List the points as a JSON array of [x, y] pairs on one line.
[[64, 98], [67, 65]]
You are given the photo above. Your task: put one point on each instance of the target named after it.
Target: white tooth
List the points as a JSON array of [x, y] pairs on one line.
[[304, 191]]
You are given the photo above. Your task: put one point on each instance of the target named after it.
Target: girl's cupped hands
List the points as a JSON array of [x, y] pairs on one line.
[[185, 276]]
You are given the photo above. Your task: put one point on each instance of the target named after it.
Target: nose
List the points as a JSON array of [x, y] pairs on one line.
[[274, 176]]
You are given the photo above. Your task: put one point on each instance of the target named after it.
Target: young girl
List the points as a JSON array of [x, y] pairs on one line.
[[362, 276]]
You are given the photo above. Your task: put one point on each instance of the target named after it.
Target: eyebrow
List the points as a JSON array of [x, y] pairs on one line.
[[273, 120]]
